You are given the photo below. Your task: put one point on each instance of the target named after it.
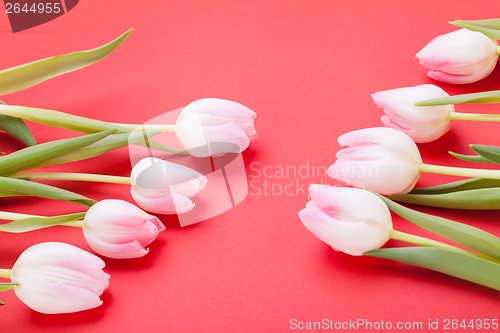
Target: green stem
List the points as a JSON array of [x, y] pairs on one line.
[[8, 216], [76, 224], [422, 241], [155, 127], [474, 117], [5, 273], [85, 177], [461, 172]]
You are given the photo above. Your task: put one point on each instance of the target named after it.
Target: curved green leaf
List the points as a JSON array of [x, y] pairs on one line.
[[100, 147], [488, 27], [476, 199], [461, 185], [8, 286], [481, 271], [470, 158], [28, 188], [25, 76], [491, 153], [60, 119], [17, 128], [29, 157], [35, 223], [461, 233], [76, 123], [474, 98]]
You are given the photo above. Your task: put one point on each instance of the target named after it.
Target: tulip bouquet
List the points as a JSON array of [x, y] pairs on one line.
[[60, 278], [382, 166]]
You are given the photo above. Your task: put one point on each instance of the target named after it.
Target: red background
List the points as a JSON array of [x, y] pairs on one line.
[[308, 69]]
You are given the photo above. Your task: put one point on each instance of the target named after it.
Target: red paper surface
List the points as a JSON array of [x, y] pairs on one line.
[[307, 68]]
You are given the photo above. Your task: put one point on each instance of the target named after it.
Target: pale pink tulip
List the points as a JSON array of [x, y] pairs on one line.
[[381, 159], [163, 187], [117, 229], [212, 126], [59, 278], [421, 123], [350, 220], [461, 56]]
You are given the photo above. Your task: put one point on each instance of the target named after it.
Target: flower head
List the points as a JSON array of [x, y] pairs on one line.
[[59, 278], [421, 123], [163, 187], [381, 159], [461, 56], [212, 126], [118, 229], [350, 220]]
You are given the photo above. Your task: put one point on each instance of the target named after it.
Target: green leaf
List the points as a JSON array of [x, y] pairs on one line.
[[28, 188], [461, 233], [60, 119], [470, 158], [17, 128], [35, 223], [76, 123], [109, 143], [491, 153], [29, 157], [8, 286], [474, 98], [488, 27], [476, 199], [461, 185], [481, 271], [30, 74]]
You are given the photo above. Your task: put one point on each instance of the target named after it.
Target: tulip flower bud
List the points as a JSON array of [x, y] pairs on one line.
[[212, 126], [461, 56], [381, 159], [421, 123], [119, 230], [350, 220], [59, 278], [163, 187]]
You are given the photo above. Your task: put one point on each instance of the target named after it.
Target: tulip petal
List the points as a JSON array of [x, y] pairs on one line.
[[219, 126], [334, 201], [129, 250], [168, 203], [353, 237]]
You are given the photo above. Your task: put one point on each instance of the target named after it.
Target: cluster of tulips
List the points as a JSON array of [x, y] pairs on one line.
[[57, 277], [382, 165]]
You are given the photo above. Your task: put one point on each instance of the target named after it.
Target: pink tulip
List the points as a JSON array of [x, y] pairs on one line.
[[163, 187], [461, 56], [381, 159], [422, 124], [59, 278], [350, 220], [212, 126], [119, 230]]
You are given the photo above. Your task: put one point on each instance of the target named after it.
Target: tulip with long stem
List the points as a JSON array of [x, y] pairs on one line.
[[358, 222], [387, 161], [156, 185], [113, 228], [205, 127], [425, 112]]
